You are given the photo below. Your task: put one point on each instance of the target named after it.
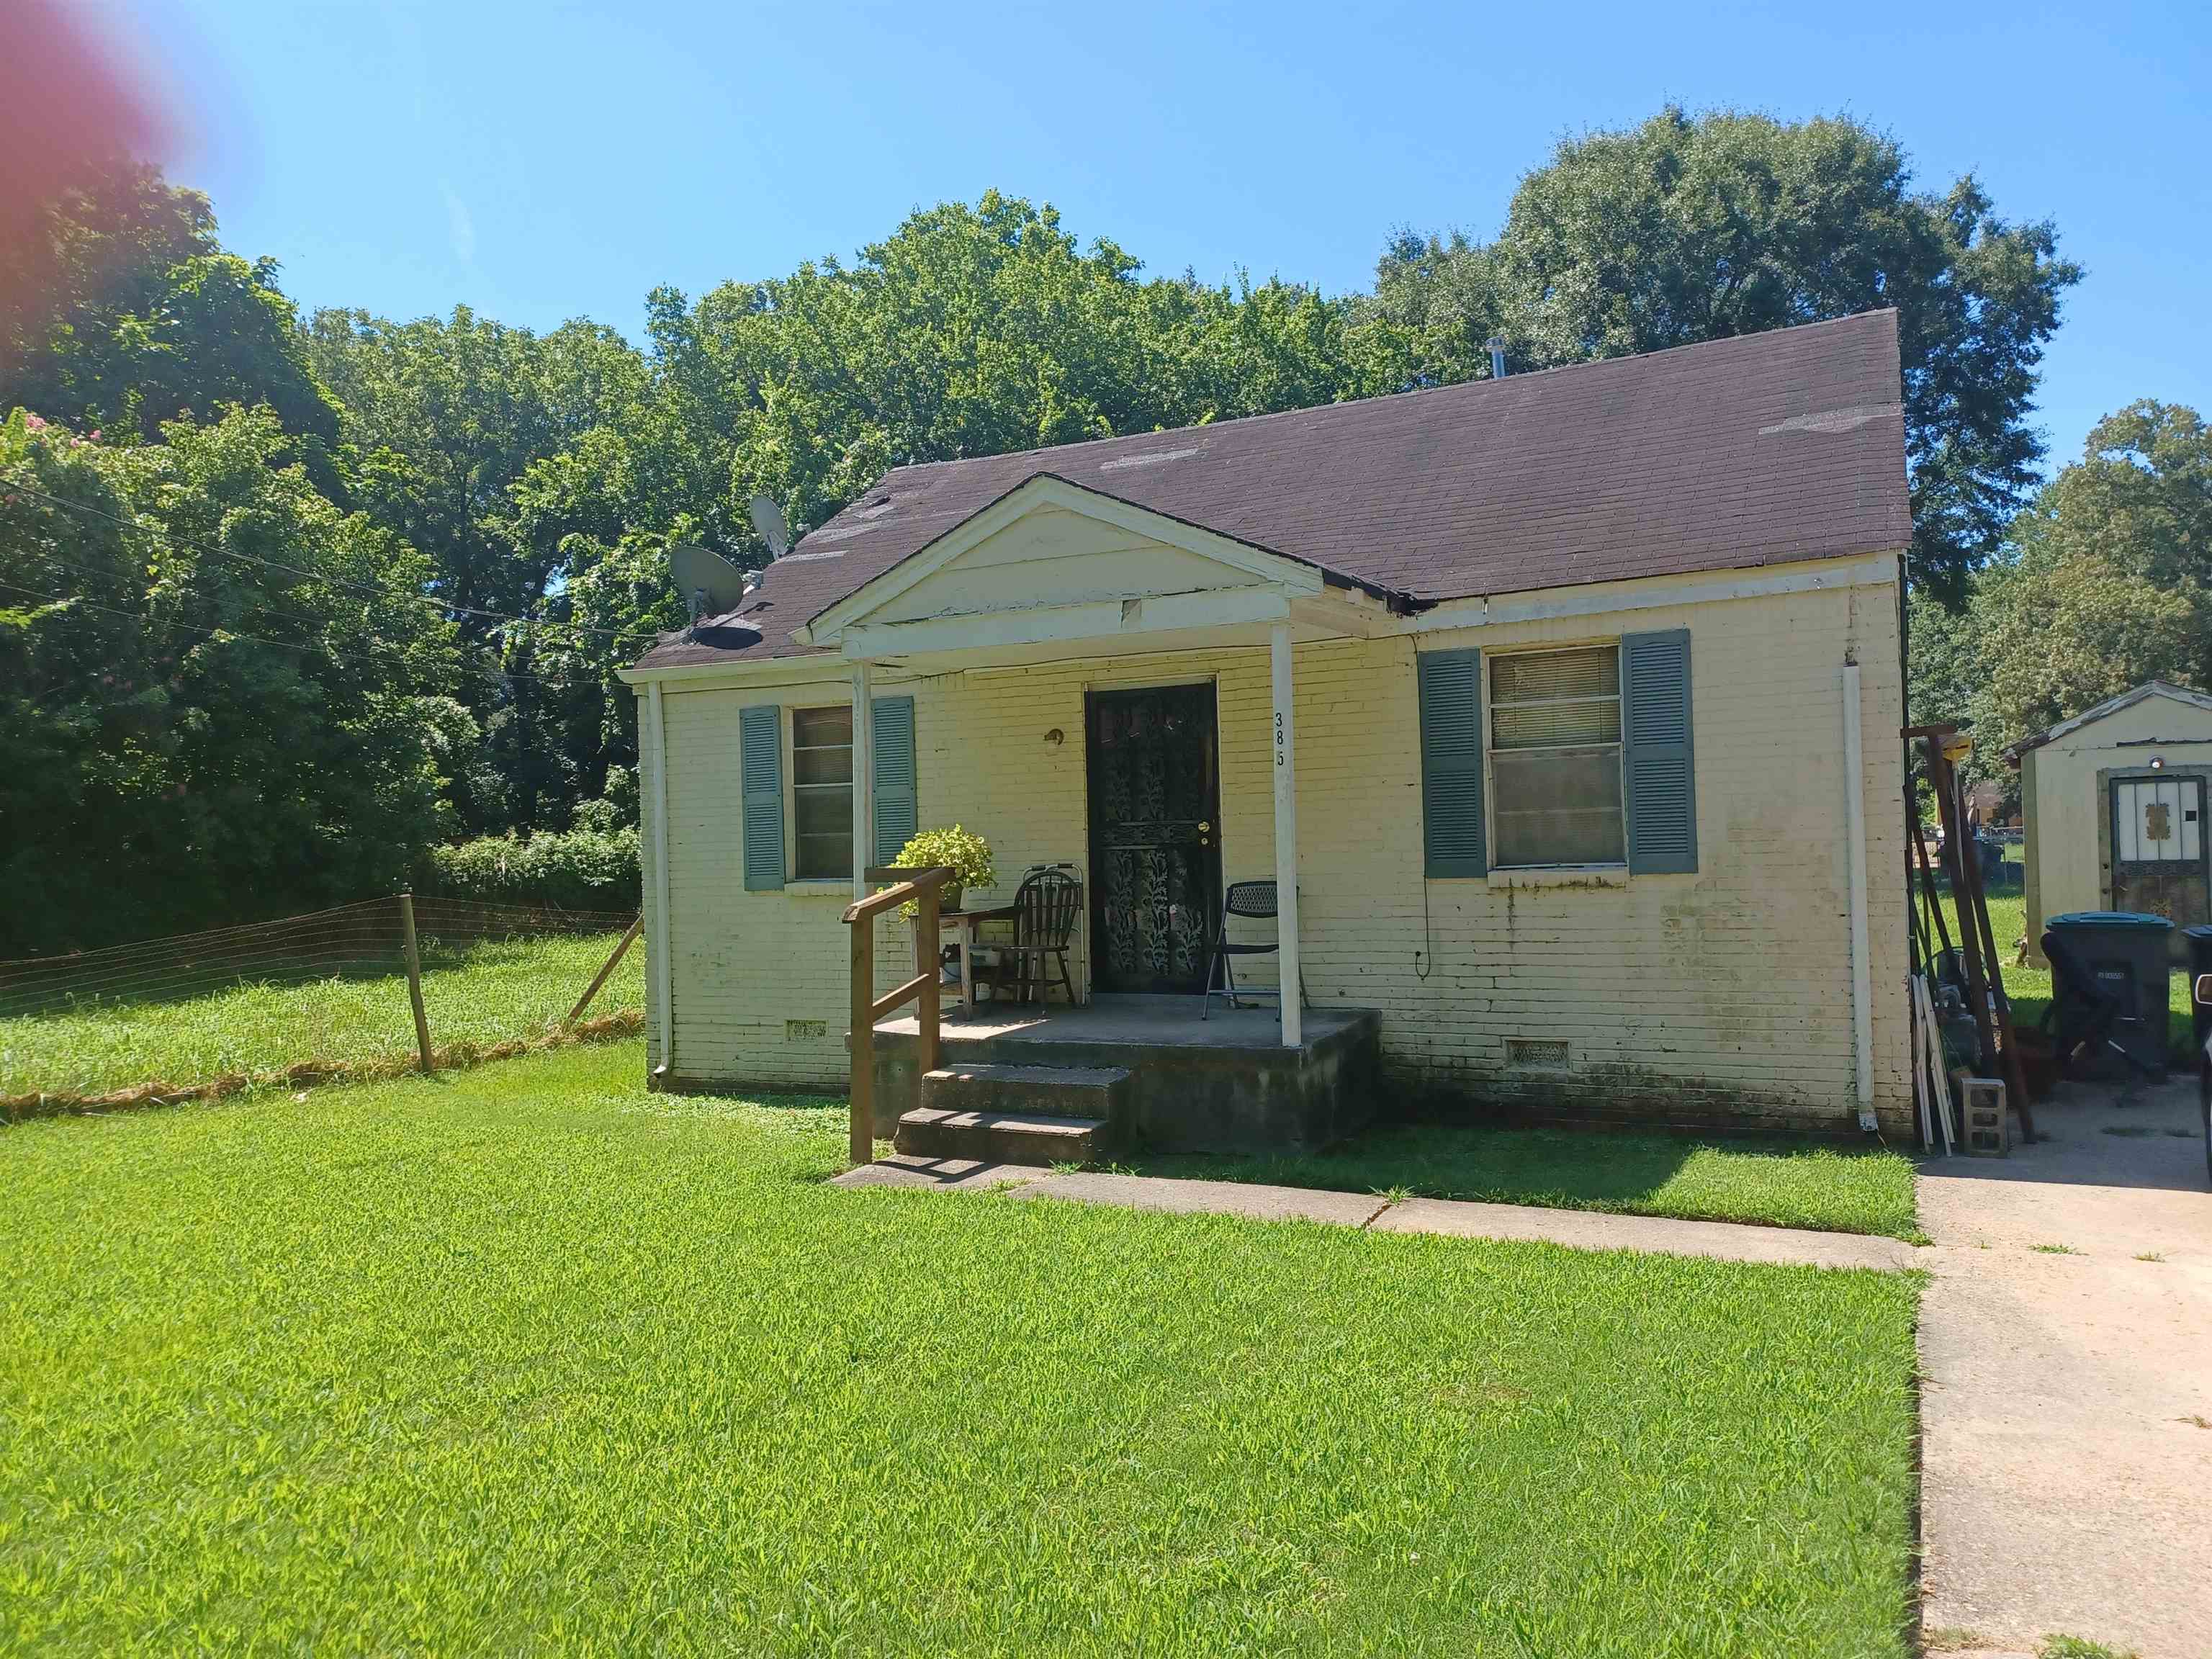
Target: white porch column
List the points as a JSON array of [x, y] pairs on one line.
[[1286, 834], [864, 778]]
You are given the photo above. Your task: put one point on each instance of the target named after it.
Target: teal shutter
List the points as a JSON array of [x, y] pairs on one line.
[[1451, 763], [760, 763], [1662, 776], [892, 721]]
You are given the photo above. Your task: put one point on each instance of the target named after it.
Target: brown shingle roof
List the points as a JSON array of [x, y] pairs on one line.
[[1757, 450]]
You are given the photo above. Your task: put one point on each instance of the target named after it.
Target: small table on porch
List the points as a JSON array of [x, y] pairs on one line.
[[961, 924]]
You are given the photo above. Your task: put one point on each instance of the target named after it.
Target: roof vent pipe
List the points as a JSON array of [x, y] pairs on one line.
[[1496, 344]]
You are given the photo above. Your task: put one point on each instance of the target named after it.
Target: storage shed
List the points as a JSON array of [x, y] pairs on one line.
[[2114, 801]]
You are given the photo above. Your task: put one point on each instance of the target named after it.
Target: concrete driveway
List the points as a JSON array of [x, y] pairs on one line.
[[2067, 1404]]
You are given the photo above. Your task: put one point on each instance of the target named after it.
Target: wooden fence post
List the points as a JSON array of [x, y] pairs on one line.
[[414, 980], [605, 970]]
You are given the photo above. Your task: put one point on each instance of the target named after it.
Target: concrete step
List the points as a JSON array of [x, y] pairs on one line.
[[1086, 1091], [999, 1136]]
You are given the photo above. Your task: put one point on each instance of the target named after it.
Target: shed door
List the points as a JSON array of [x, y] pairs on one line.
[[2158, 848]]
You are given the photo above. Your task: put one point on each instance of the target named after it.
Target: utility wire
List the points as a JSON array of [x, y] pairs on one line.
[[203, 635], [443, 607]]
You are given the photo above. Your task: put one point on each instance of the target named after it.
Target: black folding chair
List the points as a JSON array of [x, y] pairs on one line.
[[1252, 901], [2080, 1008]]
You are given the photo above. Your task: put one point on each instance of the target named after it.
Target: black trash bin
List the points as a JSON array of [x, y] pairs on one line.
[[2198, 939], [2125, 954]]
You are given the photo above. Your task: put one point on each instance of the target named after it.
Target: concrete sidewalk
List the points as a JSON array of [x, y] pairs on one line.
[[1581, 1229]]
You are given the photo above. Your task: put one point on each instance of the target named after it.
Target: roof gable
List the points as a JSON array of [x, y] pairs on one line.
[[1048, 542], [2150, 689]]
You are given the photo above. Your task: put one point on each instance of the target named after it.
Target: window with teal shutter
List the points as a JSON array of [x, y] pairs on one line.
[[760, 765], [1451, 683], [893, 723], [1660, 762]]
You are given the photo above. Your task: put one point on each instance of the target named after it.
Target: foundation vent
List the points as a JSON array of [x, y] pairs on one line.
[[1536, 1053], [805, 1031]]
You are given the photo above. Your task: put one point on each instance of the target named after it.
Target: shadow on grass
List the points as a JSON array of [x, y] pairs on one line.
[[1782, 1183]]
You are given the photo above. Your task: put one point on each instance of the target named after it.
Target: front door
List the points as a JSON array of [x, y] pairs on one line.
[[2159, 847], [1155, 841]]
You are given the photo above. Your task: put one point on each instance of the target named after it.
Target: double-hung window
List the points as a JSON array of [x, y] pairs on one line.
[[822, 792], [1555, 770]]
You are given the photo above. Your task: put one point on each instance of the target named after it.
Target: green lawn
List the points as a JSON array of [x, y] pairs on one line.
[[483, 995], [1783, 1184], [524, 1357]]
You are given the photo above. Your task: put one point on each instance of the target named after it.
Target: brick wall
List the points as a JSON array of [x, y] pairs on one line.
[[1723, 995]]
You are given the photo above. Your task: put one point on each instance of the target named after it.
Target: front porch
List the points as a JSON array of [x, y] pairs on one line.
[[1226, 1082]]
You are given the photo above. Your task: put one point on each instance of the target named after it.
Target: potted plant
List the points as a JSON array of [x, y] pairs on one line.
[[966, 853]]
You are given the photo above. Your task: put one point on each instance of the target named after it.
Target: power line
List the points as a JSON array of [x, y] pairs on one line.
[[203, 635], [443, 607]]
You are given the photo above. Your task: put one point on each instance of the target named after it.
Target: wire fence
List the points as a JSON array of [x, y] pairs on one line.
[[309, 998]]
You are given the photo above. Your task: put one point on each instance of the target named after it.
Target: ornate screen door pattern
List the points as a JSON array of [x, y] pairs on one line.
[[2158, 848], [1155, 841]]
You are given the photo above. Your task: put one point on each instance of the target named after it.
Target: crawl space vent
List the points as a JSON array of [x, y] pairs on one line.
[[805, 1031], [1536, 1053]]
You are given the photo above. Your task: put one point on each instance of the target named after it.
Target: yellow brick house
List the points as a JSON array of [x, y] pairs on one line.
[[1562, 708]]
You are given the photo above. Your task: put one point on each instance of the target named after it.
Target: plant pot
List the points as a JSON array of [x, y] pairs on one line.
[[948, 897]]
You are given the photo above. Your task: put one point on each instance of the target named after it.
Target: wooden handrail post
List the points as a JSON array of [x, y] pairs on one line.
[[414, 980], [860, 1137], [924, 964], [921, 887]]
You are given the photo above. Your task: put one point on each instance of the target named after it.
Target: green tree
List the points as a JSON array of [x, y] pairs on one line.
[[1692, 228], [2106, 582], [123, 312], [220, 696]]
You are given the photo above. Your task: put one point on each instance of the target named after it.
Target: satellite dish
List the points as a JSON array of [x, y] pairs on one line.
[[768, 518], [710, 583]]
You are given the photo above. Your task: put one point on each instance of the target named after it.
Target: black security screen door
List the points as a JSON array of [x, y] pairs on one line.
[[1155, 840]]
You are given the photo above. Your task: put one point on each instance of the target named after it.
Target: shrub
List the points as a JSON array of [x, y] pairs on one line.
[[966, 851], [582, 870]]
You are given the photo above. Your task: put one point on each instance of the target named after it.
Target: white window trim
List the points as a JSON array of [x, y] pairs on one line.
[[1552, 875], [792, 878]]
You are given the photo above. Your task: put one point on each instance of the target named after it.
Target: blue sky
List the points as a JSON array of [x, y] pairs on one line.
[[545, 160]]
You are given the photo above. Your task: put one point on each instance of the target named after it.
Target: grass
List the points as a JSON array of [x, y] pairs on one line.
[[481, 995], [1779, 1184], [524, 1357]]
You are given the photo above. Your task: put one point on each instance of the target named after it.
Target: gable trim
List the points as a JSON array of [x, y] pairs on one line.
[[826, 626], [2143, 693]]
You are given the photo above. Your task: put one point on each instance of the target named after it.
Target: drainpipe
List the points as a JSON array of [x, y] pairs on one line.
[[664, 968], [1855, 837]]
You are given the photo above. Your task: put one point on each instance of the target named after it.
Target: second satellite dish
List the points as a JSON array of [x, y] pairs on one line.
[[710, 583], [768, 518]]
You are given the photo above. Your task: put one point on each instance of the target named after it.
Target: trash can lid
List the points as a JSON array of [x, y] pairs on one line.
[[2109, 919], [2201, 930]]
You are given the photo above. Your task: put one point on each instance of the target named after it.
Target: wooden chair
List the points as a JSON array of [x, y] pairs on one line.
[[1256, 901], [1045, 908]]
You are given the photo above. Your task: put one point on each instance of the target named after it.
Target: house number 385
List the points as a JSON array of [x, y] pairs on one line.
[[1279, 739]]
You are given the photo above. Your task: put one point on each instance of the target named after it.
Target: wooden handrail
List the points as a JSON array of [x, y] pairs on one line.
[[922, 886], [910, 882]]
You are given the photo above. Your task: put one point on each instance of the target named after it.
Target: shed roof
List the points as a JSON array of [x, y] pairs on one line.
[[1756, 450], [2089, 716]]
